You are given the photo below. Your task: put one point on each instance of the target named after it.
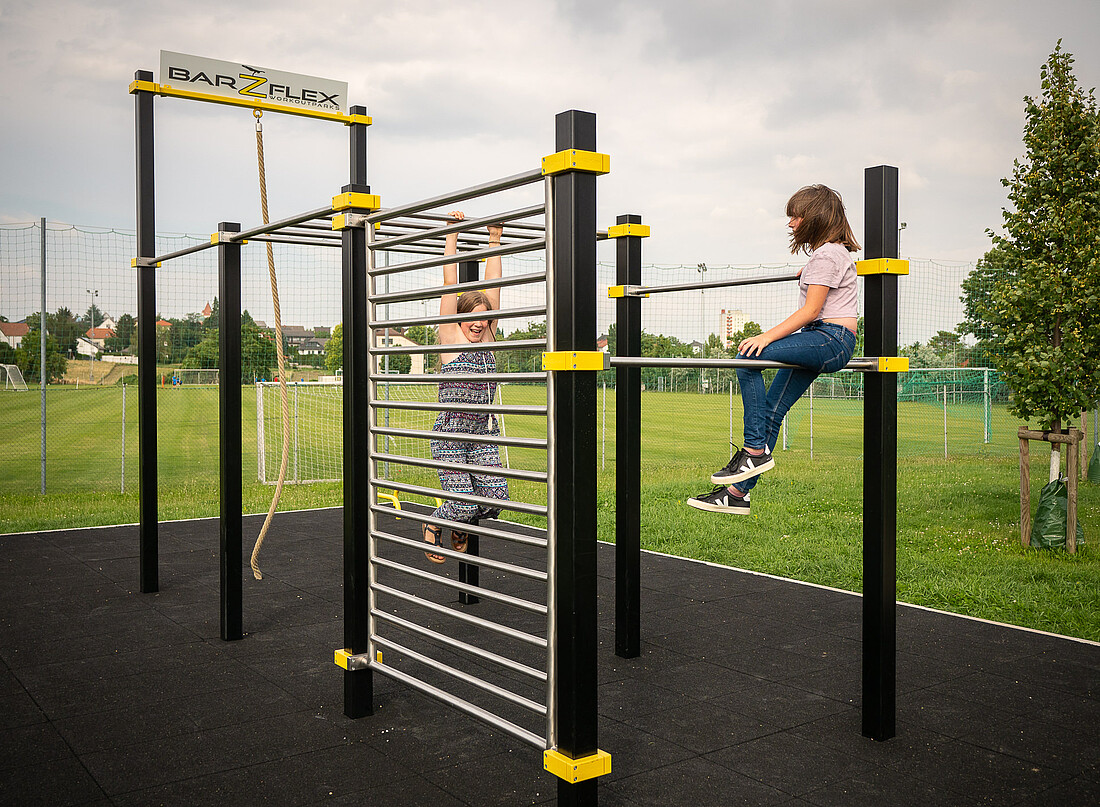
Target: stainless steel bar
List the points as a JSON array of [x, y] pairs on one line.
[[276, 239], [405, 379], [439, 666], [552, 488], [444, 217], [473, 255], [481, 714], [482, 530], [473, 650], [865, 364], [472, 192], [460, 437], [244, 235], [465, 225], [505, 344], [461, 616], [436, 493], [179, 253], [503, 313], [458, 288], [716, 284], [485, 563], [427, 406], [477, 591], [480, 470]]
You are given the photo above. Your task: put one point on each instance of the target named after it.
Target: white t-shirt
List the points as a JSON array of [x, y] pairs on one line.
[[831, 265]]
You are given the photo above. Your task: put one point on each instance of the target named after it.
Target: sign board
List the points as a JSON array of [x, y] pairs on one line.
[[246, 85]]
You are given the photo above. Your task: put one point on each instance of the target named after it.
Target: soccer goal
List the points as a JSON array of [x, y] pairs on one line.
[[317, 428], [195, 376], [13, 379]]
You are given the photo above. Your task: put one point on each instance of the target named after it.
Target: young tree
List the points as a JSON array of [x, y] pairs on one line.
[[1048, 316], [992, 270], [334, 350]]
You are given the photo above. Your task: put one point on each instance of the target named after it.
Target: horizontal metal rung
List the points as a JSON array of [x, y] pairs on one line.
[[481, 714], [533, 245], [461, 437], [457, 288], [480, 529], [474, 316], [866, 364], [463, 226], [473, 560], [405, 379], [480, 470], [506, 344], [461, 616], [472, 192], [713, 284], [478, 591], [446, 669], [479, 652], [436, 493], [427, 406]]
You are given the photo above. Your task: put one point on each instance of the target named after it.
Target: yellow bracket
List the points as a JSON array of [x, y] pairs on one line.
[[589, 162], [620, 230], [134, 263], [622, 291], [576, 770], [215, 238], [567, 360], [351, 662], [893, 364], [882, 266], [360, 201]]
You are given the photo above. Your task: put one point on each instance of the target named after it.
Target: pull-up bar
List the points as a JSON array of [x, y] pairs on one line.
[[645, 291]]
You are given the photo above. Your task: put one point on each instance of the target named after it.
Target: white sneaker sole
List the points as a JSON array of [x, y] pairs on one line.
[[699, 504], [729, 479]]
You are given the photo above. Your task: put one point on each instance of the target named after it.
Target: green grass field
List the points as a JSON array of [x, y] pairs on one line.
[[958, 533]]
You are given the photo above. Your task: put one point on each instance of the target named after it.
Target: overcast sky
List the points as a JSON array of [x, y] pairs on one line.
[[713, 111]]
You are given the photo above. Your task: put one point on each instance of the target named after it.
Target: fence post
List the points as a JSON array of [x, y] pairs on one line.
[[880, 451], [43, 375], [988, 407]]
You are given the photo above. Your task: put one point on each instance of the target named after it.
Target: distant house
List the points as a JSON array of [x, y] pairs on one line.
[[206, 312], [98, 336], [312, 347], [87, 347], [12, 333], [163, 323], [601, 344], [108, 322], [395, 337]]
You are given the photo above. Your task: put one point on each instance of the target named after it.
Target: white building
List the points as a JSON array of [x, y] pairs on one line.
[[733, 321]]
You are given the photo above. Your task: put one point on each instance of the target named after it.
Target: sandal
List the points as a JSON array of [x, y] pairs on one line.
[[436, 539], [459, 540]]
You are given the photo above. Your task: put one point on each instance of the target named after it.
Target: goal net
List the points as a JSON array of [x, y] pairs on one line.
[[193, 376], [13, 378], [316, 451]]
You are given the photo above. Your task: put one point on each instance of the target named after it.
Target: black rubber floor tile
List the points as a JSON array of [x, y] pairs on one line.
[[634, 751], [843, 732], [840, 680], [35, 744], [769, 663], [701, 726], [148, 635], [781, 706], [19, 710], [970, 770], [61, 783], [698, 680], [344, 772], [791, 763], [1005, 696], [691, 783], [414, 791], [940, 712], [632, 697], [878, 788], [1077, 791], [1045, 745], [502, 780]]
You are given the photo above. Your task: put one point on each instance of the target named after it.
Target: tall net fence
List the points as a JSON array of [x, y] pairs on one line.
[[948, 405]]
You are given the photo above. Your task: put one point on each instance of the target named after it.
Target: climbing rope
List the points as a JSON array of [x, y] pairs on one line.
[[258, 113]]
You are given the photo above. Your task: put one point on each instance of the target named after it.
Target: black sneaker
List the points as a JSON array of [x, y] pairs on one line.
[[720, 500], [744, 466]]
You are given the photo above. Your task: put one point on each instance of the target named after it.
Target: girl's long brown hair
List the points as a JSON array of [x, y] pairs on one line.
[[823, 220]]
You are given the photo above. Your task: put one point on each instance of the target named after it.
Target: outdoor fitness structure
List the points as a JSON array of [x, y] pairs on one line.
[[880, 448], [561, 622]]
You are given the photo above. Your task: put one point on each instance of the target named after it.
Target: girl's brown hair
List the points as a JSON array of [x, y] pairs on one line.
[[823, 221], [469, 300]]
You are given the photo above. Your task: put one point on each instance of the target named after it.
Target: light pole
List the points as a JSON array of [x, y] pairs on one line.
[[901, 227], [91, 334]]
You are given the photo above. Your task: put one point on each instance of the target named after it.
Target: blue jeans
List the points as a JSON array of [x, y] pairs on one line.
[[820, 347]]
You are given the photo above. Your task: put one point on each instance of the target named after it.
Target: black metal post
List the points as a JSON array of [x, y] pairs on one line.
[[467, 572], [358, 684], [232, 464], [574, 446], [628, 457], [147, 340], [880, 452]]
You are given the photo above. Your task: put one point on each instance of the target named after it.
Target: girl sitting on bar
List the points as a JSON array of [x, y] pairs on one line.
[[819, 338], [467, 362]]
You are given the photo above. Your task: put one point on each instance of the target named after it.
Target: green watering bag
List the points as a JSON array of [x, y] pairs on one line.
[[1048, 531], [1094, 466]]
